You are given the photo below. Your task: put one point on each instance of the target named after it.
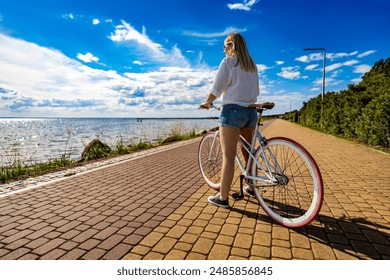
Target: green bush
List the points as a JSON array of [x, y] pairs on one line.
[[361, 112], [374, 123]]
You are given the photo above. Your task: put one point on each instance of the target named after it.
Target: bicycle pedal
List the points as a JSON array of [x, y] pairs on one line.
[[237, 196]]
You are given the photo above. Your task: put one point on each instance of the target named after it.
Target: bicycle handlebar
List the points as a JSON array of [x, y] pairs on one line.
[[262, 106]]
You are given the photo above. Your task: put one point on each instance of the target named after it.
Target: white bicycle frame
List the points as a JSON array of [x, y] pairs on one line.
[[269, 179]]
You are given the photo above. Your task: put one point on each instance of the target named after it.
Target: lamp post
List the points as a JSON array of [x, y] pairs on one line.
[[323, 76], [323, 67]]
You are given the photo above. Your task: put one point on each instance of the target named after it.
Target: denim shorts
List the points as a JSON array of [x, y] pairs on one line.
[[237, 116]]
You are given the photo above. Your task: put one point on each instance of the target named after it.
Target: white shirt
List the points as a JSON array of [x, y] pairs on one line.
[[234, 85]]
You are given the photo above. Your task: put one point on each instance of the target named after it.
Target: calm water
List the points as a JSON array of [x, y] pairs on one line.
[[42, 139]]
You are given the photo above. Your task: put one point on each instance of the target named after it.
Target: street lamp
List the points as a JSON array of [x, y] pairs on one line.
[[323, 68]]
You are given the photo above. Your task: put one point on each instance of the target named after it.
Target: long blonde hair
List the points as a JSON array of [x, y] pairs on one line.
[[240, 51]]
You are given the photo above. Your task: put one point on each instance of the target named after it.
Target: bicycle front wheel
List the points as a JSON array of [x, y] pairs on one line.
[[210, 159], [296, 197]]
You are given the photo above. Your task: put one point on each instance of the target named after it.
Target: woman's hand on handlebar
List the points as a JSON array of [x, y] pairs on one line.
[[205, 105]]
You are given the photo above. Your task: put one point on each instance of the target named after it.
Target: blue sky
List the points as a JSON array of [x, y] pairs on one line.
[[124, 58]]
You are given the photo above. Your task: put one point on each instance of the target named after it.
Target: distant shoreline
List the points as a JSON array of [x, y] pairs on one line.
[[110, 118]]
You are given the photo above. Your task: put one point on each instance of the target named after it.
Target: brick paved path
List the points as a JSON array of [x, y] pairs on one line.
[[100, 214], [114, 213], [354, 222]]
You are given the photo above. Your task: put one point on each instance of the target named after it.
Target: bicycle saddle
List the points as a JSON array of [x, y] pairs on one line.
[[266, 105]]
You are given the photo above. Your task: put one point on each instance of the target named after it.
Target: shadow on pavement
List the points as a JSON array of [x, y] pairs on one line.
[[356, 237]]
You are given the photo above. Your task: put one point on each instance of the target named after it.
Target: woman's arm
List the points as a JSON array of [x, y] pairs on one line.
[[210, 98]]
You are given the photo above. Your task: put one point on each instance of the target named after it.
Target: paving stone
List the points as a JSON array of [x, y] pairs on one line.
[[15, 254], [176, 232], [154, 256], [219, 252], [203, 246], [243, 241], [183, 246], [152, 239], [17, 244], [132, 256], [195, 256], [50, 245], [53, 255], [261, 251], [111, 242], [176, 255], [322, 251], [302, 254], [240, 253], [165, 245], [17, 236], [94, 254], [85, 235], [117, 252], [225, 240]]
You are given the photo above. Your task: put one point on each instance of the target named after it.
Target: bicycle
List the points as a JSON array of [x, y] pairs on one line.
[[285, 178]]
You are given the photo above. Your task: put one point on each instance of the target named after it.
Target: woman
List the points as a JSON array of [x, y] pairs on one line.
[[237, 83]]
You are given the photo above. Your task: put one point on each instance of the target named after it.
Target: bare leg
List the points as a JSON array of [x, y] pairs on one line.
[[247, 133], [229, 140]]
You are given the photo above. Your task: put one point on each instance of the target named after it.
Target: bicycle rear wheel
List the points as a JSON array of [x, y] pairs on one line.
[[210, 159], [296, 198]]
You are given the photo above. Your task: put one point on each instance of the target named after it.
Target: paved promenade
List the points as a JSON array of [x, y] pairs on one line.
[[155, 207]]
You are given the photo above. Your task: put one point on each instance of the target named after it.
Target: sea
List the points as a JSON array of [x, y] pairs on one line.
[[34, 140]]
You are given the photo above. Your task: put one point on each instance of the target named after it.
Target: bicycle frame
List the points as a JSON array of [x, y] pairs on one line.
[[285, 178], [269, 178]]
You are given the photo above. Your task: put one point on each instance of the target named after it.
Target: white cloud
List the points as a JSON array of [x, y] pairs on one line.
[[262, 67], [366, 53], [329, 81], [333, 56], [320, 56], [291, 73], [212, 38], [88, 57], [224, 33], [279, 62], [137, 62], [126, 33], [68, 16], [335, 74], [245, 6], [356, 81], [312, 67], [350, 62], [147, 49], [362, 69], [37, 81], [42, 73], [284, 100], [335, 66], [95, 21], [311, 57]]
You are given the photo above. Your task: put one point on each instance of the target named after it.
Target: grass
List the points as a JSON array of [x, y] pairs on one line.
[[19, 168]]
